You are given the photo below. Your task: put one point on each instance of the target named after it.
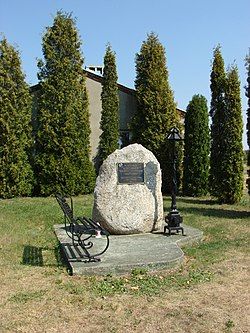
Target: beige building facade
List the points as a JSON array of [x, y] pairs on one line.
[[127, 108]]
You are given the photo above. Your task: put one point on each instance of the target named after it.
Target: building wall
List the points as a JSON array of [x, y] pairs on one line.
[[127, 106], [94, 89]]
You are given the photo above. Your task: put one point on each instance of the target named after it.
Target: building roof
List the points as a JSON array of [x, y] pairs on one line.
[[96, 78], [99, 79]]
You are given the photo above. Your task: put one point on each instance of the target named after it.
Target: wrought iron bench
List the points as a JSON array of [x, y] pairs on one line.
[[82, 231]]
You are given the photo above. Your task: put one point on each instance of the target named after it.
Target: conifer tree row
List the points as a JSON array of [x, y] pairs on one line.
[[248, 117], [16, 176], [63, 147], [156, 109], [231, 187], [217, 113], [226, 177], [196, 148], [110, 108]]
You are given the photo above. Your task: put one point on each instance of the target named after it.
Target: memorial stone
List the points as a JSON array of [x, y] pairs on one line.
[[127, 196]]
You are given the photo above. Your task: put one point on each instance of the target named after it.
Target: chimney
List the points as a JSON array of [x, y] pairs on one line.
[[95, 69]]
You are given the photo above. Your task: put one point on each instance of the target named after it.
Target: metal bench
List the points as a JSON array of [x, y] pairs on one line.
[[82, 231]]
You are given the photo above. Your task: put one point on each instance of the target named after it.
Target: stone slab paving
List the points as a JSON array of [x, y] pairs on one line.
[[126, 252]]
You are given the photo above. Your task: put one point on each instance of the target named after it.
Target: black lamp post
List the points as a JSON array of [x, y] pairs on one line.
[[174, 219]]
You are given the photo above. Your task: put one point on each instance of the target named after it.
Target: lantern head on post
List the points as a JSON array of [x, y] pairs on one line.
[[174, 219], [174, 135]]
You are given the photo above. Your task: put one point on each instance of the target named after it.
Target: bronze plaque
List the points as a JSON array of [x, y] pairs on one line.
[[130, 173]]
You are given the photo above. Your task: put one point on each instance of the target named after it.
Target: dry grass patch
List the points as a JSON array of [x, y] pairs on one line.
[[42, 303], [209, 294]]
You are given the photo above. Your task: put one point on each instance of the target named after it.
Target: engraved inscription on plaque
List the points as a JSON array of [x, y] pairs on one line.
[[130, 173]]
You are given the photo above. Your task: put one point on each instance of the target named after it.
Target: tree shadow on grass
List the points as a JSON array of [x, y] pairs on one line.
[[213, 212], [33, 256], [198, 201]]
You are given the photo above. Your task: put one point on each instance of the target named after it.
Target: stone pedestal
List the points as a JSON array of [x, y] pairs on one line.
[[127, 196]]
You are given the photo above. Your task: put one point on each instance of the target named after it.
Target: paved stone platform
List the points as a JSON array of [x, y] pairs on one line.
[[126, 252]]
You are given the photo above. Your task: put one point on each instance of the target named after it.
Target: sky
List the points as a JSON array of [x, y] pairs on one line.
[[189, 31]]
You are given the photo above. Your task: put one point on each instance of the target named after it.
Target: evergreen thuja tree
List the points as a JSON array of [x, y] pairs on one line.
[[248, 118], [63, 146], [16, 176], [217, 113], [110, 108], [156, 109], [196, 148], [231, 186]]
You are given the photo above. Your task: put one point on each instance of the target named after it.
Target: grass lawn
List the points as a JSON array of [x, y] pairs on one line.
[[209, 293]]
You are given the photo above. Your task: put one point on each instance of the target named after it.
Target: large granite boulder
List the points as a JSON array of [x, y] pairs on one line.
[[127, 196]]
